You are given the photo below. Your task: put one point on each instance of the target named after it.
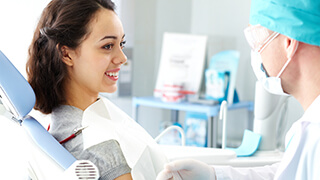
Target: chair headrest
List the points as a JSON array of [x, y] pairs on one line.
[[15, 92]]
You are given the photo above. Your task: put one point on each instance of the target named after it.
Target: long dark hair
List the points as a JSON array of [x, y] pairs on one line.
[[62, 23]]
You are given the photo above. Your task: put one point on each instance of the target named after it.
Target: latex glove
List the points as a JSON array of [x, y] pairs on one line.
[[187, 170]]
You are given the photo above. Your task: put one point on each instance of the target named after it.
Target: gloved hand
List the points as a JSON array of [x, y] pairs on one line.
[[187, 170]]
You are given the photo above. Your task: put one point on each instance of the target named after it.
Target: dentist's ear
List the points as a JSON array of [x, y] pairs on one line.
[[291, 46], [67, 55]]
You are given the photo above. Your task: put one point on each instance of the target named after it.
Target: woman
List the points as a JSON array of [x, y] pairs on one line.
[[76, 53]]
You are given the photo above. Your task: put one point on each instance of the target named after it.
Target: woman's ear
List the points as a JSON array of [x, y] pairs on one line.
[[291, 46], [67, 55]]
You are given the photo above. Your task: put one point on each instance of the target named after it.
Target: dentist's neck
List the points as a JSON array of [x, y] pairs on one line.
[[306, 85]]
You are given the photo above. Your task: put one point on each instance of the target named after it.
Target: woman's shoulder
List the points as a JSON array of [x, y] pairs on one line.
[[66, 111], [109, 158], [64, 119]]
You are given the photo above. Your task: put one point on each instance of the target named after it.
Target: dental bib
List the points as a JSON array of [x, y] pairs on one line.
[[105, 121]]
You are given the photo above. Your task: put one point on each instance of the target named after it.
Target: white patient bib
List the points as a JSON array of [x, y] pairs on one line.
[[105, 121]]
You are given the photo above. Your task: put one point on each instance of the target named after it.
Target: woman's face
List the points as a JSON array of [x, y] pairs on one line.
[[94, 66]]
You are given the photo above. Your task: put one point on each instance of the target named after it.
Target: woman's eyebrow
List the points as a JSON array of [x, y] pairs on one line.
[[111, 37], [108, 37]]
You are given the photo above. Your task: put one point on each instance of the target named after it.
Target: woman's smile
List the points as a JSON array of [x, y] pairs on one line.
[[113, 74]]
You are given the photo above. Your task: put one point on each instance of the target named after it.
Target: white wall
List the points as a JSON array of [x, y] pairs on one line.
[[18, 20], [125, 10], [224, 22]]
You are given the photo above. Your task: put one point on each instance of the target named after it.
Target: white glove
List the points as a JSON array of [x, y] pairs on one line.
[[187, 170]]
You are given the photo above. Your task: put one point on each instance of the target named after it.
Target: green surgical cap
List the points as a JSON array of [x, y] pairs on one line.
[[297, 19]]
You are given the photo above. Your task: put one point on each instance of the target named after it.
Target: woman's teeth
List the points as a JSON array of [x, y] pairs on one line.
[[112, 74]]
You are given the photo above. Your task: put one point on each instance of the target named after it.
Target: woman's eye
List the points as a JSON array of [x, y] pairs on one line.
[[108, 46], [122, 44]]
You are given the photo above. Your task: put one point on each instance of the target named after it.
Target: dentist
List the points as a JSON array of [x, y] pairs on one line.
[[285, 39]]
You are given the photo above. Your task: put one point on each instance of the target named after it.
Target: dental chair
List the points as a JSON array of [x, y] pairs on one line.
[[48, 159]]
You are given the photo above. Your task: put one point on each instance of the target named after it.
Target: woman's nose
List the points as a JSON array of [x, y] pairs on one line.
[[120, 58]]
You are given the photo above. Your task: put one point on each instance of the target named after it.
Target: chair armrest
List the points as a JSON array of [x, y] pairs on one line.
[[47, 143]]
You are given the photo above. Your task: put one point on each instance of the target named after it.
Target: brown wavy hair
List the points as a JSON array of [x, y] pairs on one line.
[[62, 23]]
